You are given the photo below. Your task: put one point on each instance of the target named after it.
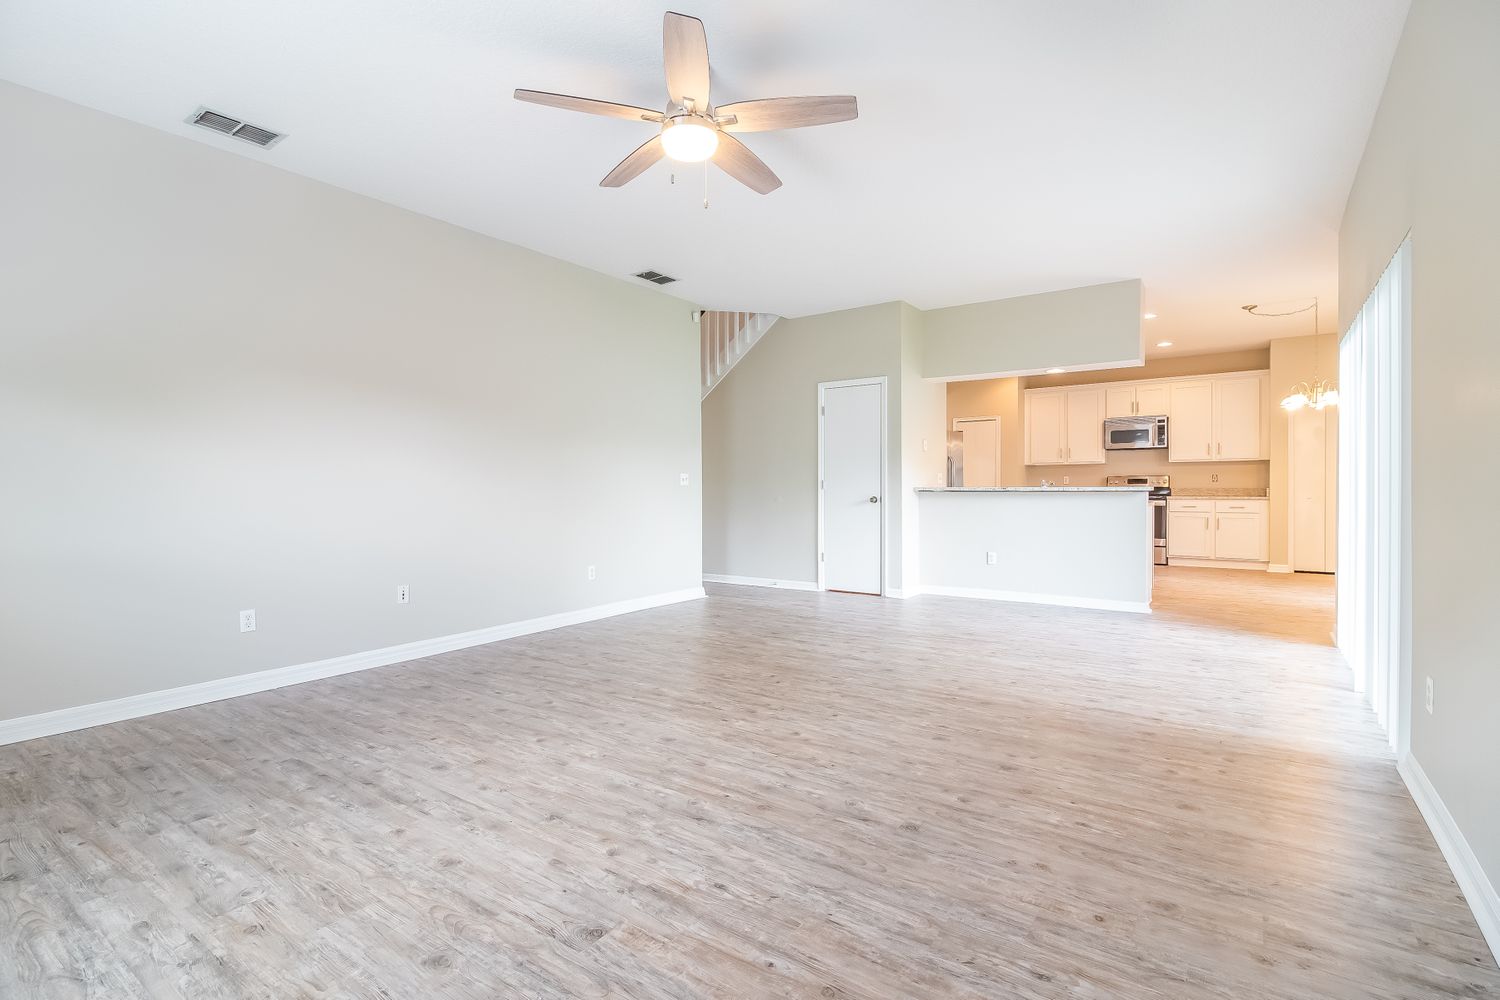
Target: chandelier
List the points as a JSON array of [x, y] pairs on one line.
[[1318, 393]]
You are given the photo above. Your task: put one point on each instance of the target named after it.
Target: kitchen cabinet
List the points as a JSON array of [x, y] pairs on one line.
[[1046, 417], [1217, 419], [1154, 400], [1085, 431], [1190, 533], [1237, 417], [1065, 426], [1145, 399], [1211, 418], [1190, 426], [1224, 530]]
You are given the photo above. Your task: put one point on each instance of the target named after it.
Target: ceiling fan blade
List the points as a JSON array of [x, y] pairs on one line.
[[736, 160], [685, 52], [588, 106], [635, 164], [788, 112]]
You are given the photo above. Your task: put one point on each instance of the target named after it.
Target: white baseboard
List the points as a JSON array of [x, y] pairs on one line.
[[1022, 597], [66, 720], [759, 581], [1278, 568], [900, 594], [1476, 886], [1258, 567]]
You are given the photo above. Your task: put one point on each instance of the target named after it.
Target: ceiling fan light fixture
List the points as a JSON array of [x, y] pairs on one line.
[[688, 141]]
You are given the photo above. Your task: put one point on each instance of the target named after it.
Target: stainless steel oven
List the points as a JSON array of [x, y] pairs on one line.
[[1121, 433], [1156, 500]]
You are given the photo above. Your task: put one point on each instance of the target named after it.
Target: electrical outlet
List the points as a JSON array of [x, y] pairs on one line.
[[924, 444], [682, 480], [1214, 478], [1065, 480], [990, 557], [1429, 696], [247, 620], [403, 594], [592, 573]]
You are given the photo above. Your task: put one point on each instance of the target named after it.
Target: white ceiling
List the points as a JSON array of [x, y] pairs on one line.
[[1003, 148]]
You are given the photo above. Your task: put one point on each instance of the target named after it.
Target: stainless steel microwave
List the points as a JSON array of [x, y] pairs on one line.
[[1121, 433]]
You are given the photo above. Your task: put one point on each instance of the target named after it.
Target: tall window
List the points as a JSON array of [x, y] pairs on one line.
[[1373, 446]]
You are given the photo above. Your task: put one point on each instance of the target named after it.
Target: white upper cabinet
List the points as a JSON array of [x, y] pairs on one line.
[[1153, 400], [1119, 401], [1065, 426], [1217, 419], [1190, 426], [1210, 418], [1085, 432], [1137, 399], [1238, 417], [1046, 416]]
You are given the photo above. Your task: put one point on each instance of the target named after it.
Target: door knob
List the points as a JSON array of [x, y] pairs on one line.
[[874, 499]]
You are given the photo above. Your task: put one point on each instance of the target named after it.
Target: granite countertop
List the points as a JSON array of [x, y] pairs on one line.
[[1221, 492], [1032, 489]]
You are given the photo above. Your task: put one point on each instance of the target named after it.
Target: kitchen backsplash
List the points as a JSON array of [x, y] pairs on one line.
[[1153, 462]]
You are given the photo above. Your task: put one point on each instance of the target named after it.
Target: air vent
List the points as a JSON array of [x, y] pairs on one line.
[[233, 126], [655, 277]]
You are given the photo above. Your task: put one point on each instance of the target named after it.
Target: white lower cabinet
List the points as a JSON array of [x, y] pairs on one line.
[[1190, 535], [1227, 530]]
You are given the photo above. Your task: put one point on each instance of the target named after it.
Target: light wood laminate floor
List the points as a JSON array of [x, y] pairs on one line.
[[764, 794]]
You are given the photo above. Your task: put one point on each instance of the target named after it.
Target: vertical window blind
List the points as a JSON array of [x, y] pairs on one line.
[[1373, 399]]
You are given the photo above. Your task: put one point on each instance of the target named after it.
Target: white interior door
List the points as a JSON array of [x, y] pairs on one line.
[[853, 418], [981, 450]]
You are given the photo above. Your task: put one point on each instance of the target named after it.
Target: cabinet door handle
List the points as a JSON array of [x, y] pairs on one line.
[[1221, 447], [1059, 453], [1208, 449]]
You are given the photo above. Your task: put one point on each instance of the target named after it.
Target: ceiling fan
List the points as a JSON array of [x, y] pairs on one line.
[[692, 129]]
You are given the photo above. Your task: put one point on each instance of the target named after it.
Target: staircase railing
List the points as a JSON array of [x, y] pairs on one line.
[[726, 338]]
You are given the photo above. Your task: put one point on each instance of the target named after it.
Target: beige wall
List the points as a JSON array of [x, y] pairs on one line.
[[225, 387], [994, 397], [1095, 326], [1293, 360], [1002, 398], [760, 442], [1430, 168]]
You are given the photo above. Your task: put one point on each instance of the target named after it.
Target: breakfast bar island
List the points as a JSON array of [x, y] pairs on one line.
[[1078, 546]]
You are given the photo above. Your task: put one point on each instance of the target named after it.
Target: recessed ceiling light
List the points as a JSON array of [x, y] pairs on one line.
[[1150, 316], [1163, 343], [1054, 371]]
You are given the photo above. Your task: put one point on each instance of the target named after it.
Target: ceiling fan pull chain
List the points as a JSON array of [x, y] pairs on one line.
[[705, 185]]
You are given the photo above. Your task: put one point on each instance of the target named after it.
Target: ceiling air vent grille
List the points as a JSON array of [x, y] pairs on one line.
[[655, 277], [262, 137]]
